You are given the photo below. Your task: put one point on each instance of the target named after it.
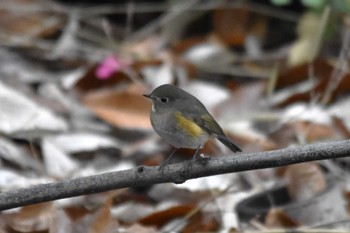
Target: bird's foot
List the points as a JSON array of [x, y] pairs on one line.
[[201, 159]]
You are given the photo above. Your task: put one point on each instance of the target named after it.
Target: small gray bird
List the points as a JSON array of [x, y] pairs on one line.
[[183, 121]]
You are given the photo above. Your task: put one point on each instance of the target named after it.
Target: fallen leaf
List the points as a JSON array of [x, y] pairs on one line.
[[277, 218], [95, 217], [341, 127], [312, 123], [12, 152], [209, 55], [89, 81], [126, 109], [32, 218], [61, 223], [10, 180], [296, 74], [298, 84], [202, 222], [30, 24], [230, 25], [160, 218], [83, 142], [57, 163], [102, 217], [314, 132], [346, 195], [21, 116], [340, 110], [132, 210], [305, 181], [76, 212]]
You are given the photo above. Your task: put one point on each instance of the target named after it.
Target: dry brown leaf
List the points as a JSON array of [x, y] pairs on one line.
[[341, 127], [321, 77], [313, 131], [160, 218], [95, 216], [201, 222], [230, 25], [102, 217], [346, 194], [188, 43], [291, 76], [32, 218], [27, 23], [284, 136], [288, 133], [90, 82], [126, 109], [76, 212], [277, 218], [305, 180], [154, 160]]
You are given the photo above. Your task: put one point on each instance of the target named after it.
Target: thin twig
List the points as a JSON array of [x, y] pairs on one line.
[[145, 176]]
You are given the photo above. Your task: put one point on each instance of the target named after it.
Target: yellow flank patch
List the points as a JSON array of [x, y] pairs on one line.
[[187, 125]]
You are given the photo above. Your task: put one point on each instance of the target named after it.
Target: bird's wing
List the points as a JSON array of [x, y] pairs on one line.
[[207, 123], [210, 125], [200, 115], [204, 121]]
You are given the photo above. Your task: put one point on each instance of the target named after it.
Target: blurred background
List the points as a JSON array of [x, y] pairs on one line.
[[274, 74]]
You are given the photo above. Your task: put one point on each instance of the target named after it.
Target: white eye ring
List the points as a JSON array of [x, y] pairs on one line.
[[164, 99]]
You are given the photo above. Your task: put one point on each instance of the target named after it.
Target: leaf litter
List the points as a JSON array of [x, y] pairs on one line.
[[71, 99]]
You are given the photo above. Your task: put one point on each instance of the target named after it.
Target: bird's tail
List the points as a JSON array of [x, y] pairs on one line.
[[227, 142]]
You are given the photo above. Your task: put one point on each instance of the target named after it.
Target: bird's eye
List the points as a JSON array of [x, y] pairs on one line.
[[164, 99]]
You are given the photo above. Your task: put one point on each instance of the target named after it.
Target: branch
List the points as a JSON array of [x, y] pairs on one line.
[[144, 176]]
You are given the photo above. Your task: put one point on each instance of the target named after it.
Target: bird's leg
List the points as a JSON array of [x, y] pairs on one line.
[[196, 157], [197, 153], [166, 162]]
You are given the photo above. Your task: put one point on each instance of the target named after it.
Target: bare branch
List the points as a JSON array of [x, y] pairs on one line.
[[144, 176]]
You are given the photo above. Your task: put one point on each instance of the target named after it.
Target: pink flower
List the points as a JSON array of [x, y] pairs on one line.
[[108, 67]]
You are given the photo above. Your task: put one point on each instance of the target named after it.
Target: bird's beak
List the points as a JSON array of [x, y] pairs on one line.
[[148, 96]]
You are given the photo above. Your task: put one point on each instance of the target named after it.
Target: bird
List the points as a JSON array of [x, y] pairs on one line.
[[183, 121]]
